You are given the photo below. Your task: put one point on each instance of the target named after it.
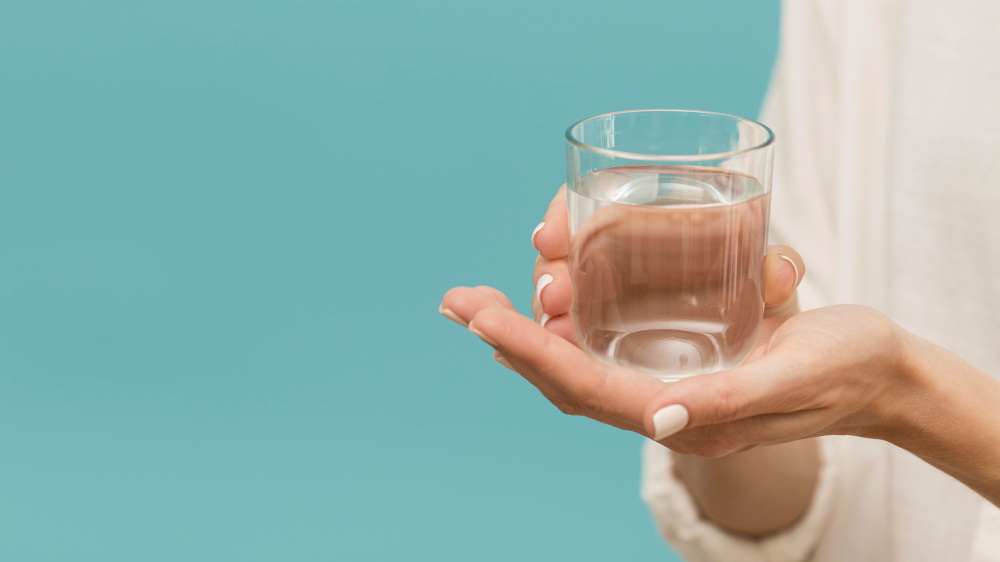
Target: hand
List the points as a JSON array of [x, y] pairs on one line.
[[553, 300], [836, 370]]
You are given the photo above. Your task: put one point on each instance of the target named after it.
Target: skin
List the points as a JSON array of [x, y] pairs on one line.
[[747, 453]]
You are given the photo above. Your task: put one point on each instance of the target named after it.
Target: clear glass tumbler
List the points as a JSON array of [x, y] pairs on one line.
[[668, 217]]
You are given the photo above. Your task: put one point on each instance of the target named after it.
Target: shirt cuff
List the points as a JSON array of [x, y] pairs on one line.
[[698, 540]]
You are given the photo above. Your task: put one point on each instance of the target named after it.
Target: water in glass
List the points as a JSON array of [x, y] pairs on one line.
[[667, 264]]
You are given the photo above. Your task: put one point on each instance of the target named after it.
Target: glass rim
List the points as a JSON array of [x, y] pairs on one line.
[[669, 157]]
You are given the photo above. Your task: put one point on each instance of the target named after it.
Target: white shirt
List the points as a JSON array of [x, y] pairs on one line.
[[887, 181]]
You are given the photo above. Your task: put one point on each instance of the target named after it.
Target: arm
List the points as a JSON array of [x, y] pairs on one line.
[[951, 418], [762, 491], [841, 370], [944, 410], [756, 493], [848, 370]]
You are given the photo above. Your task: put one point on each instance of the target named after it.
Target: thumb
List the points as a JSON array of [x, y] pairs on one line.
[[758, 387]]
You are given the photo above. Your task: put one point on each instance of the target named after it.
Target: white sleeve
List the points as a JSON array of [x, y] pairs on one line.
[[698, 540]]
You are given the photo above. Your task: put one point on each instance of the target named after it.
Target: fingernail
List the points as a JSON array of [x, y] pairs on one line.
[[795, 267], [541, 284], [502, 360], [450, 315], [482, 336], [543, 320], [669, 420], [540, 226]]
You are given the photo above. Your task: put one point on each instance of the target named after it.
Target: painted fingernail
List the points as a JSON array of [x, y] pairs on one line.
[[795, 267], [482, 336], [543, 320], [669, 420], [450, 315], [542, 282], [540, 226]]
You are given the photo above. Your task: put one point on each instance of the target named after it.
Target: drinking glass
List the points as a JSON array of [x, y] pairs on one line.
[[668, 217]]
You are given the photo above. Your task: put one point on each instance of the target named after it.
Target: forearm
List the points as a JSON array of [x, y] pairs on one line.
[[756, 493], [952, 420], [761, 491]]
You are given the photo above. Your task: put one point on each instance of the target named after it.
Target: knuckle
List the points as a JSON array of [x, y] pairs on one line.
[[566, 406], [592, 397], [730, 404], [592, 404]]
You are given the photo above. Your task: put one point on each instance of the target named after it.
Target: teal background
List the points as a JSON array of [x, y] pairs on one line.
[[225, 228]]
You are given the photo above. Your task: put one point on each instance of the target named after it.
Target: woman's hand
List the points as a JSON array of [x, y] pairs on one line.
[[833, 370], [551, 305], [836, 370]]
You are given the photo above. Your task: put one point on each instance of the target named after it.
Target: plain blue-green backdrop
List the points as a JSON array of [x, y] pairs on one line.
[[225, 228]]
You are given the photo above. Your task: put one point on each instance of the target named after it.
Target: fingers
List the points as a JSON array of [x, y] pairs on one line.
[[559, 399], [551, 237], [783, 271], [594, 387], [553, 297], [713, 441], [561, 326], [553, 286], [462, 303], [497, 295], [764, 386], [551, 393], [465, 300]]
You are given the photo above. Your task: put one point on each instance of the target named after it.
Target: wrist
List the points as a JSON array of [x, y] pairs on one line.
[[917, 395], [754, 493], [946, 414], [905, 386]]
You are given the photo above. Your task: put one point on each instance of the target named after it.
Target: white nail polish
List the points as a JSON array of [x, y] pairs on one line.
[[540, 226], [450, 315], [543, 320], [482, 336], [543, 281], [795, 267], [669, 420]]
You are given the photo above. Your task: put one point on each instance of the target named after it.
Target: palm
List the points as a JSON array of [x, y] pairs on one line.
[[545, 351], [628, 391]]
